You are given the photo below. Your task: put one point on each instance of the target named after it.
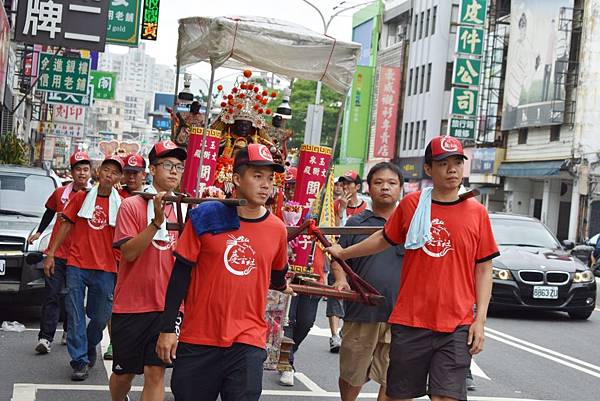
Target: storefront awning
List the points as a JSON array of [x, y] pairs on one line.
[[531, 169]]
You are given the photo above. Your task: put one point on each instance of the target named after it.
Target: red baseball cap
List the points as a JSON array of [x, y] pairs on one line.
[[350, 176], [134, 162], [78, 157], [116, 160], [166, 148], [442, 147], [291, 173], [256, 154]]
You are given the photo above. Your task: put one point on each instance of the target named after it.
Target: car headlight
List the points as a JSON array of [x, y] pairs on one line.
[[585, 276], [44, 242], [502, 274]]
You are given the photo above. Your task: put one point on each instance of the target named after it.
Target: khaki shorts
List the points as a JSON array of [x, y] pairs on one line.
[[365, 352]]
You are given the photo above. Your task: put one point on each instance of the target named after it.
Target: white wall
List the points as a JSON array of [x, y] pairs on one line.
[[518, 193], [538, 146]]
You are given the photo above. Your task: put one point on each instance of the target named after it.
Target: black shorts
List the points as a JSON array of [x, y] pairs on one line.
[[202, 373], [133, 338], [417, 353]]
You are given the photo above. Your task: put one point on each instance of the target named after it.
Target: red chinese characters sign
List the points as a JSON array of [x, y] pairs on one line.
[[192, 163], [312, 174], [387, 112]]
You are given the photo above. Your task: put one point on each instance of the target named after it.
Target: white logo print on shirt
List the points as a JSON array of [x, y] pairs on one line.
[[99, 219], [239, 256], [440, 243]]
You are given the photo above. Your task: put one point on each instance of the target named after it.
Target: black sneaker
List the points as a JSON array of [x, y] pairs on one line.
[[92, 356], [80, 373]]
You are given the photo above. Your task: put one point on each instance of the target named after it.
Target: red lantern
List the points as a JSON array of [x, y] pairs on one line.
[[234, 90], [268, 112], [239, 106], [255, 107], [223, 104], [255, 89], [265, 93], [258, 97], [260, 111], [247, 73], [230, 110], [230, 102], [264, 102], [273, 94], [230, 97], [241, 95], [219, 87], [251, 86], [243, 85]]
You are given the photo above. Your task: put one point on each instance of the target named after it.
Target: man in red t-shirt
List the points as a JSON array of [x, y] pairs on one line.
[[434, 328], [146, 264], [89, 220], [80, 169], [225, 270], [134, 175]]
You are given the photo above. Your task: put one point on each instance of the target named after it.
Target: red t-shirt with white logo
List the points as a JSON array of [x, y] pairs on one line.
[[350, 210], [437, 286], [91, 240], [56, 204], [226, 298], [142, 284]]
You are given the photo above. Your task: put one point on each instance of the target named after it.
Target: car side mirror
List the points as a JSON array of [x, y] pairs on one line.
[[568, 244], [34, 258]]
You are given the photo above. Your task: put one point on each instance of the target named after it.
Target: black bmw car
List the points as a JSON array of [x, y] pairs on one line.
[[534, 271]]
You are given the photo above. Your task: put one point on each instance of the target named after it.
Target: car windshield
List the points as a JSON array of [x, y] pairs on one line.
[[523, 233], [24, 194]]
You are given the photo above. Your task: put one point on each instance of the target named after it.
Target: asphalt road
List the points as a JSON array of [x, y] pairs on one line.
[[528, 357]]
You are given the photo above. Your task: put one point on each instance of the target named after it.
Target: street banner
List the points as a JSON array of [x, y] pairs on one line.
[[123, 26], [473, 12], [537, 63], [63, 74], [313, 162], [62, 130], [72, 24], [104, 84], [467, 72], [4, 50], [192, 163], [76, 100], [387, 112], [150, 20], [69, 114], [462, 128], [483, 161]]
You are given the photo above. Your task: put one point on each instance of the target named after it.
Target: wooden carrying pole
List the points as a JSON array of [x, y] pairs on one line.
[[193, 201]]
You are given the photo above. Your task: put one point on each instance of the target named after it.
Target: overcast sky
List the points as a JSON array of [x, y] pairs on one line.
[[291, 10]]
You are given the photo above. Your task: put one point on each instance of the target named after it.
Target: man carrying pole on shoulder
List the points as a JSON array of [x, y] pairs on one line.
[[146, 263], [56, 281], [89, 220], [447, 269], [225, 260]]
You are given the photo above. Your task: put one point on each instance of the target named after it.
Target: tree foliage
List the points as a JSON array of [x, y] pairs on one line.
[[303, 94], [12, 150]]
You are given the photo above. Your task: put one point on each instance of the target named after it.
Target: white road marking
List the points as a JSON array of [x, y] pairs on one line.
[[25, 392], [103, 347], [311, 385], [477, 371], [546, 353]]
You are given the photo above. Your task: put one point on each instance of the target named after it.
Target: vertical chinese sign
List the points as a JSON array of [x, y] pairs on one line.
[[387, 112], [4, 50], [63, 74], [150, 20], [123, 26], [209, 162], [313, 163], [466, 77]]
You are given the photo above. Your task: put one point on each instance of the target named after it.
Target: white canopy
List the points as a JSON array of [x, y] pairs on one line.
[[268, 44]]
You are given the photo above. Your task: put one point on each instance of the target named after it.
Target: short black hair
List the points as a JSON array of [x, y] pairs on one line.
[[384, 166], [428, 155]]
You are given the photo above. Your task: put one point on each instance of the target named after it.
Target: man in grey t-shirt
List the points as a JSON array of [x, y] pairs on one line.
[[366, 334]]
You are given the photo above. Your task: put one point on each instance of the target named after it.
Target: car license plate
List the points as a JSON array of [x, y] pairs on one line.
[[2, 267], [545, 292]]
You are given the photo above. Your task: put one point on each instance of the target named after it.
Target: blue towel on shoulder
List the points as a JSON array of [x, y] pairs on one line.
[[419, 231], [215, 218]]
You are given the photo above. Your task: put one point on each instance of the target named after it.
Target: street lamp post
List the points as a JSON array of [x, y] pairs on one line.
[[314, 123]]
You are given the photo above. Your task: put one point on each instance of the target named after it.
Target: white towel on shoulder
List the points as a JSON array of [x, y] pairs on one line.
[[163, 233], [89, 204], [419, 231]]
